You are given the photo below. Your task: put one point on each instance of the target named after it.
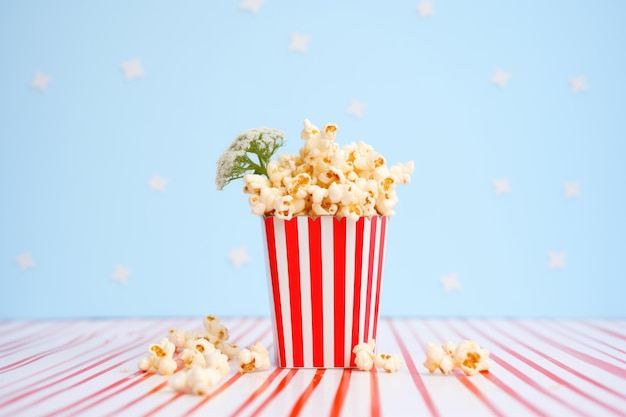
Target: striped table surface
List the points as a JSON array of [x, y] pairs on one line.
[[538, 367]]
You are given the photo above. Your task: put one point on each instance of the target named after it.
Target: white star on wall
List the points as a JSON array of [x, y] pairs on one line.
[[556, 260], [501, 186], [426, 8], [500, 77], [25, 261], [356, 109], [251, 5], [299, 42], [40, 81], [450, 282], [157, 183], [572, 189], [120, 274], [132, 69], [578, 84], [239, 256]]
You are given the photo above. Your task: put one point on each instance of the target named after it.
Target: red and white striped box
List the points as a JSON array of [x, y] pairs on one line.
[[325, 277]]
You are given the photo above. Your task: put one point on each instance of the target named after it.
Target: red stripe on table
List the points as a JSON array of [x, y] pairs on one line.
[[460, 376], [295, 293], [358, 271], [588, 345], [374, 393], [276, 392], [64, 377], [340, 395], [597, 362], [513, 394], [525, 378], [35, 338], [381, 257], [273, 266], [569, 368], [258, 391], [593, 338], [618, 335], [306, 394], [339, 263], [415, 375], [549, 374], [37, 357], [370, 277], [317, 290]]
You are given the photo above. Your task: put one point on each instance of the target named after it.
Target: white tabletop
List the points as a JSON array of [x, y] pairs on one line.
[[538, 367]]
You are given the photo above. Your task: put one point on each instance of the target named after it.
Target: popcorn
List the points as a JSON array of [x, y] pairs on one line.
[[364, 355], [365, 359], [390, 363], [324, 179], [438, 358], [471, 358], [160, 359], [468, 356], [204, 354], [255, 358]]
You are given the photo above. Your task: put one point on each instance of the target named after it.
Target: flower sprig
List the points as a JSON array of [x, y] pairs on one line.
[[249, 153]]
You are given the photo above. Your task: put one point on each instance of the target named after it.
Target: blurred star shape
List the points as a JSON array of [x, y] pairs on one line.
[[572, 189], [502, 186], [500, 77], [450, 282], [239, 256], [157, 183], [556, 260], [120, 274], [252, 6], [132, 69], [578, 84], [356, 109], [25, 261], [426, 8], [299, 42], [40, 81]]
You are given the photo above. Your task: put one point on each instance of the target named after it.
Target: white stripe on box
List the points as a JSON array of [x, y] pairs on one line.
[[348, 311], [283, 282], [367, 227], [305, 291], [375, 278], [328, 291]]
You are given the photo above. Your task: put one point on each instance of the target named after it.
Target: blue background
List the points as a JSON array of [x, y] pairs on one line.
[[76, 157]]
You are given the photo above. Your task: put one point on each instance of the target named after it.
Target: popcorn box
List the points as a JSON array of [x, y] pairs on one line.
[[325, 277]]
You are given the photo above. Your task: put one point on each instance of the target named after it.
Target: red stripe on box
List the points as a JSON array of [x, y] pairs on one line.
[[358, 270], [315, 265], [295, 294], [271, 254], [339, 262], [370, 277], [381, 257]]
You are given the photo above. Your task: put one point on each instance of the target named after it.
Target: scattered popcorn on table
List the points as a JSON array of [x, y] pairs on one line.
[[364, 355], [468, 356], [253, 359], [160, 359], [365, 359], [390, 363], [204, 354]]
